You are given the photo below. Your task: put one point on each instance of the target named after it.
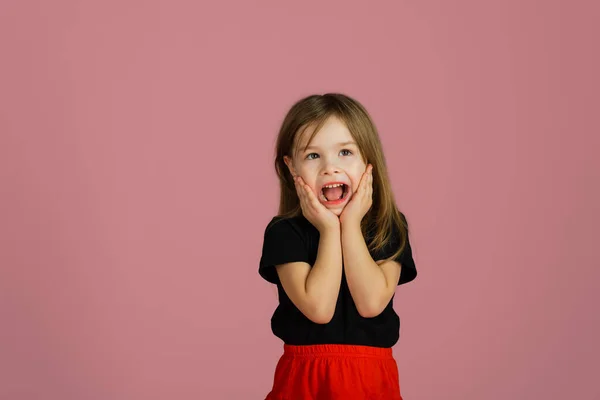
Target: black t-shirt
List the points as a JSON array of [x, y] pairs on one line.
[[296, 239]]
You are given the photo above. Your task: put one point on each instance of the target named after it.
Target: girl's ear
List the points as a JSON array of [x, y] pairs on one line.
[[288, 161]]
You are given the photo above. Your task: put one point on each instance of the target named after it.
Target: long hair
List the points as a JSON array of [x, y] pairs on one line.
[[383, 217]]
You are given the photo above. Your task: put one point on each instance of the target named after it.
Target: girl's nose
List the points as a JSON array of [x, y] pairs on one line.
[[331, 169]]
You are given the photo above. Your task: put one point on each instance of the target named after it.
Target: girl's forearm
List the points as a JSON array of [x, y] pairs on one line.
[[324, 280], [365, 278]]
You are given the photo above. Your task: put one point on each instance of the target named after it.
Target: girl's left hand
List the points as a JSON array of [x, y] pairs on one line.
[[361, 200]]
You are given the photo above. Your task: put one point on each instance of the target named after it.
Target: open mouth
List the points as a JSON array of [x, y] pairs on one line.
[[334, 193]]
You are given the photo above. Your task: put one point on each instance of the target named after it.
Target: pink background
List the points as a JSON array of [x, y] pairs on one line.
[[136, 143]]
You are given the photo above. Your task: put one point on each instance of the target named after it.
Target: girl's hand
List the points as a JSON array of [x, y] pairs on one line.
[[361, 200], [313, 210]]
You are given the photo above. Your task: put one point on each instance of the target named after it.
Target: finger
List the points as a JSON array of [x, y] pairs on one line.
[[308, 196], [312, 198], [301, 191], [306, 192], [297, 186], [302, 185], [363, 182], [360, 184]]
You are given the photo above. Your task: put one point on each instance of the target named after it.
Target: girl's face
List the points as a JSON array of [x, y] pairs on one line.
[[333, 157]]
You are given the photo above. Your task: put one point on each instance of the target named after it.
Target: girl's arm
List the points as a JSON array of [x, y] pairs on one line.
[[315, 290], [372, 284]]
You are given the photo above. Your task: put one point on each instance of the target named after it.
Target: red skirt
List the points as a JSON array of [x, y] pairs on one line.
[[332, 371]]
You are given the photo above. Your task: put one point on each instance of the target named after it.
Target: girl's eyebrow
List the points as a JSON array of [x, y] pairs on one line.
[[339, 145]]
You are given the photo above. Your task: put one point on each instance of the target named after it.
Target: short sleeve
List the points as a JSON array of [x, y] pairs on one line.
[[283, 243], [408, 272]]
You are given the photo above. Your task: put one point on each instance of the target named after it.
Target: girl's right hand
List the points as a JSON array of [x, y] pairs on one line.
[[313, 210]]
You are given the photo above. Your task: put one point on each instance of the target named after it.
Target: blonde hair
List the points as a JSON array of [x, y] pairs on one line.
[[383, 216]]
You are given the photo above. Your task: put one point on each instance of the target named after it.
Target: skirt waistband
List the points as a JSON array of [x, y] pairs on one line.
[[345, 350]]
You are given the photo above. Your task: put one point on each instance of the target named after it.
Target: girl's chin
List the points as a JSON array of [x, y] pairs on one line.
[[337, 210]]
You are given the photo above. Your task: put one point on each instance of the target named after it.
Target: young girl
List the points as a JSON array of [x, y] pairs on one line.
[[336, 251]]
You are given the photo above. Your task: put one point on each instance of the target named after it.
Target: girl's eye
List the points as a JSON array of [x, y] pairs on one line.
[[309, 156]]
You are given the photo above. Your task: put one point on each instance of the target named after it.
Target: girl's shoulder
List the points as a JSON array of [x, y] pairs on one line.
[[283, 222]]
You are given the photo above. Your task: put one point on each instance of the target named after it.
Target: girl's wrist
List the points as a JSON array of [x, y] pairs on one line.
[[351, 224], [328, 229]]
